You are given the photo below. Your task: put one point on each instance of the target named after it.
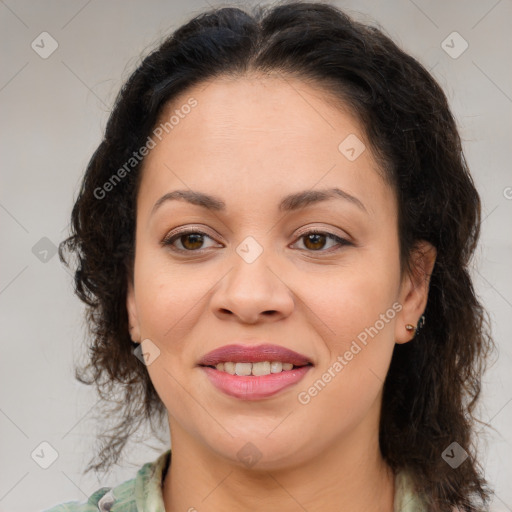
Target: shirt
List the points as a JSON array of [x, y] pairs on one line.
[[144, 493]]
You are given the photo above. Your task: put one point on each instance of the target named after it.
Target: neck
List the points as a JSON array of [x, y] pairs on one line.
[[350, 476]]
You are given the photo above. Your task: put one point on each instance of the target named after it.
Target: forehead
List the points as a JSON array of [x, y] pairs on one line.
[[259, 107], [258, 134]]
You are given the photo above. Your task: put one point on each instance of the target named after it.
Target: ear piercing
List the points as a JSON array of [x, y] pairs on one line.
[[421, 323]]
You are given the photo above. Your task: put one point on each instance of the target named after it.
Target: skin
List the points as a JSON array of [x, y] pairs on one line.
[[250, 141]]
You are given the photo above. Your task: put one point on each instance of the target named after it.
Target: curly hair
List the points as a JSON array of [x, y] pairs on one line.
[[434, 381]]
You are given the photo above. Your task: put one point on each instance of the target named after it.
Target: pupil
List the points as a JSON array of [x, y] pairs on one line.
[[196, 239], [316, 239]]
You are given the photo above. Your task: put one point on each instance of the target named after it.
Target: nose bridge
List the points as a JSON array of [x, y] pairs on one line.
[[252, 287]]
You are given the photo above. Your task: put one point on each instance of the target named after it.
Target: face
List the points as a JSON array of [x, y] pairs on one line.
[[268, 259]]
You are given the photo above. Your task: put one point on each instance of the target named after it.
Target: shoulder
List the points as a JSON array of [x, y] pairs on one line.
[[91, 505], [144, 492], [406, 497]]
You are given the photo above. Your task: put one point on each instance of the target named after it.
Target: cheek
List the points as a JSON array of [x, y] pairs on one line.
[[354, 310], [346, 302], [358, 346], [168, 298]]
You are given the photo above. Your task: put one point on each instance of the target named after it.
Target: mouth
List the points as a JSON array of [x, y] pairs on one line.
[[254, 372], [255, 369], [253, 354]]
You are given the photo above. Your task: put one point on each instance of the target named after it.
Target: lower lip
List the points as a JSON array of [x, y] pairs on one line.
[[252, 387]]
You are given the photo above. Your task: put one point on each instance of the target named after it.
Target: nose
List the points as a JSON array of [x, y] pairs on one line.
[[252, 293]]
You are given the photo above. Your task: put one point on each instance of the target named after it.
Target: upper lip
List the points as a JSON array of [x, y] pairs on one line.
[[253, 354]]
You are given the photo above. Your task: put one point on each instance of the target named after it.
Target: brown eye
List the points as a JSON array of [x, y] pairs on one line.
[[314, 241], [190, 241], [318, 241]]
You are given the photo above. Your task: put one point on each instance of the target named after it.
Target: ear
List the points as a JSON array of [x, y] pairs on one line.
[[131, 307], [414, 290]]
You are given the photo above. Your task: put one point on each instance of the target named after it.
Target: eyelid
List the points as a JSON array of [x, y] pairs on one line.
[[321, 230], [177, 232], [338, 239]]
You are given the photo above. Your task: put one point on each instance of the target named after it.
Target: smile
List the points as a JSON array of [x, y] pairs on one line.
[[256, 369], [254, 372], [248, 385]]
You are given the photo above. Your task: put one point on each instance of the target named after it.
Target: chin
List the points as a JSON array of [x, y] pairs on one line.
[[260, 451]]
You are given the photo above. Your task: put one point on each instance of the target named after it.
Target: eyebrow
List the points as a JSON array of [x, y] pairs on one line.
[[288, 203]]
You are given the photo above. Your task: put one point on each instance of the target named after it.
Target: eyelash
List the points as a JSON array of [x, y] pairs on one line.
[[169, 240]]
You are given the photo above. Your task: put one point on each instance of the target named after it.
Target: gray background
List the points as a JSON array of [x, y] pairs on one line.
[[53, 112]]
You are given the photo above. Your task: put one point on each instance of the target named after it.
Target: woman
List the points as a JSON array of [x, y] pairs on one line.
[[273, 242]]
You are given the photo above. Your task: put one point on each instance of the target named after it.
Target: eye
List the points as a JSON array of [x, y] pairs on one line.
[[316, 241], [194, 241], [189, 240]]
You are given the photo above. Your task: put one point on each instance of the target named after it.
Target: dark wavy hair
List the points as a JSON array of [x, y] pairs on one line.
[[434, 381]]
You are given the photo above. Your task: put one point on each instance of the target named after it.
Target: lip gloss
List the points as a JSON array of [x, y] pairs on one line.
[[254, 387]]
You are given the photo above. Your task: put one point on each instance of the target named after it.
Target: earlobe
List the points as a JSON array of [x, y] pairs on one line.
[[414, 329], [414, 292], [132, 313]]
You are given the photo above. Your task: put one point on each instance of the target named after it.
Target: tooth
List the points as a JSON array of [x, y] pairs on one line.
[[276, 367], [229, 368], [262, 368], [243, 368], [256, 369]]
